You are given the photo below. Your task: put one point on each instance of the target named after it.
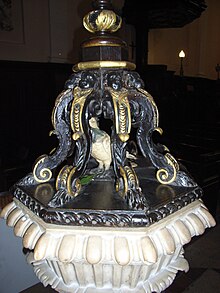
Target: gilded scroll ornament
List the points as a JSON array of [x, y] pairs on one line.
[[132, 177], [166, 174], [73, 186], [80, 96], [122, 113], [61, 180], [64, 180], [163, 175], [128, 183], [45, 174], [42, 171]]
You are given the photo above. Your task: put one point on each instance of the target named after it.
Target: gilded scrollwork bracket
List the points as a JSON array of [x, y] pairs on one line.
[[118, 95]]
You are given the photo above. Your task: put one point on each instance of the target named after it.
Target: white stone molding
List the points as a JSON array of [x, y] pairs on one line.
[[108, 259]]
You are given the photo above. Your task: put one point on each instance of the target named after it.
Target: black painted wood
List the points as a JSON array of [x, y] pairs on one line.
[[188, 108]]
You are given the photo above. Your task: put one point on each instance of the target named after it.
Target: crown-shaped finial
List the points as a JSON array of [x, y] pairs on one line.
[[103, 19]]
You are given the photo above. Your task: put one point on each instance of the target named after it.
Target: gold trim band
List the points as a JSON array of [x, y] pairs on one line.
[[100, 43], [103, 64]]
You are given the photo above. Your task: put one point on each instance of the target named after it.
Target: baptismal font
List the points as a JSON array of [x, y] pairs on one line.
[[106, 211]]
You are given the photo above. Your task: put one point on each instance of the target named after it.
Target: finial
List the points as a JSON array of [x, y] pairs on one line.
[[103, 19]]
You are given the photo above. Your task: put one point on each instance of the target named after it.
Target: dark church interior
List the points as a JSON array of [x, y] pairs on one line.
[[189, 109]]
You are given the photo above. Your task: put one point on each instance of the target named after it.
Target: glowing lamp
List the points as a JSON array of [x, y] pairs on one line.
[[181, 55]]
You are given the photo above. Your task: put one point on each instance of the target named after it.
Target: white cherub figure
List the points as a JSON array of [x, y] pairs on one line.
[[101, 145]]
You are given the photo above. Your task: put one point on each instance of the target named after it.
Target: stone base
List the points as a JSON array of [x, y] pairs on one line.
[[108, 259]]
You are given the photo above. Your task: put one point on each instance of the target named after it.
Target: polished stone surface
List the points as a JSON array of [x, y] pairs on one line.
[[81, 259], [204, 273], [195, 280]]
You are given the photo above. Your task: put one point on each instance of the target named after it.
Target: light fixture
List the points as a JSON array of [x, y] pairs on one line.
[[181, 55]]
